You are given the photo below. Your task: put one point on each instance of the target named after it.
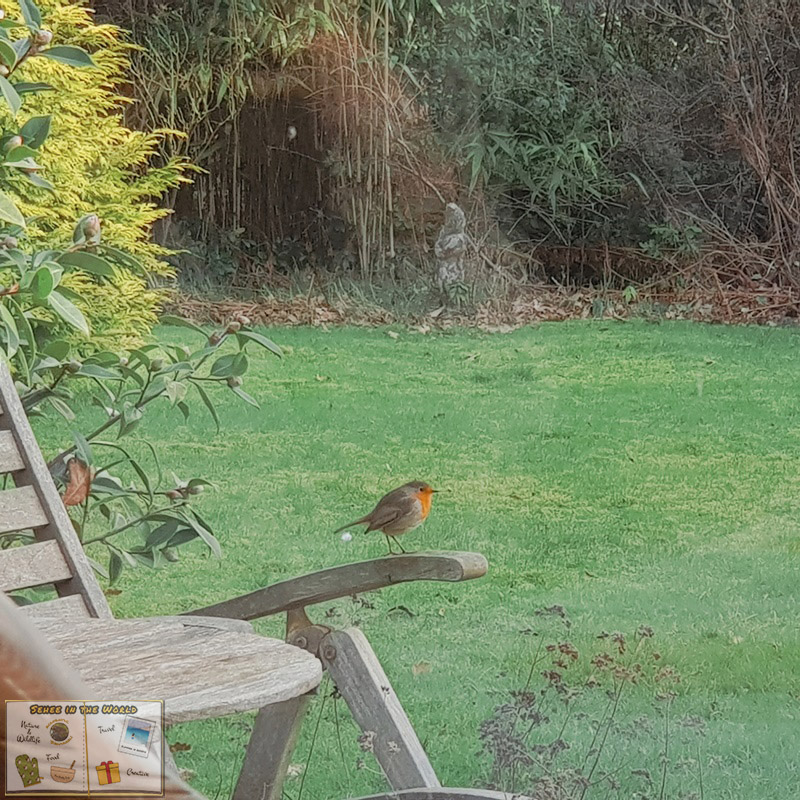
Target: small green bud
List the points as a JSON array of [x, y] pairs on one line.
[[12, 141], [170, 553], [214, 339], [245, 321], [73, 366], [43, 38], [233, 327], [234, 381], [123, 362], [157, 364], [10, 242], [199, 489]]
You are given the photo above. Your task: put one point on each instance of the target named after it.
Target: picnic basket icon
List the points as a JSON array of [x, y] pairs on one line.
[[63, 774]]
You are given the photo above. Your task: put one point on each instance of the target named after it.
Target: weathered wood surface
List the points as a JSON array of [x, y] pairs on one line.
[[32, 565], [221, 623], [365, 576], [360, 679], [32, 669], [270, 750], [200, 672], [64, 608], [445, 794], [37, 477], [10, 459], [20, 510]]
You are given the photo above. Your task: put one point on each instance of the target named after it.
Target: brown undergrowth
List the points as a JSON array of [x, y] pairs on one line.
[[520, 307]]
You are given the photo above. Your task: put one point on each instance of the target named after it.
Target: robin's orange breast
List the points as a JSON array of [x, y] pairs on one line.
[[425, 499]]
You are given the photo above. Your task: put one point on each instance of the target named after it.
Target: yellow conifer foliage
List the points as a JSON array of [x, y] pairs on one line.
[[97, 165]]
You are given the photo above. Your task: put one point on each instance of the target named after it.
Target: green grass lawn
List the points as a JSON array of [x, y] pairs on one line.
[[633, 473]]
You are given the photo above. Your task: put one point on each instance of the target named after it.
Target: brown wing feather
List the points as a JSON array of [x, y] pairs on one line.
[[383, 516], [391, 507]]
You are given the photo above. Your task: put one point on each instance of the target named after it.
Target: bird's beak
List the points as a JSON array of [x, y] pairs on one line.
[[438, 490]]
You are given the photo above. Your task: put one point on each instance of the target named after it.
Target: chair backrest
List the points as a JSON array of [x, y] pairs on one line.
[[29, 500]]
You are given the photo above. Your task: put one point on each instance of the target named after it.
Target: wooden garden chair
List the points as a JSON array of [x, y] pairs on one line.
[[206, 663], [32, 668]]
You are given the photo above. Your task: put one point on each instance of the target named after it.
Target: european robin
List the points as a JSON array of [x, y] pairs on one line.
[[398, 512]]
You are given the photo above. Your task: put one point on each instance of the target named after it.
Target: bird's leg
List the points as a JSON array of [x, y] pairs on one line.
[[389, 543], [402, 549]]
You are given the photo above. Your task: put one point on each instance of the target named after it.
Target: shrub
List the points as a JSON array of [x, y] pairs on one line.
[[574, 730], [138, 512], [514, 87], [37, 304], [96, 165]]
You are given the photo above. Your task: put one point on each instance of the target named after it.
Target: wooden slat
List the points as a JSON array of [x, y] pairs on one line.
[[364, 576], [10, 459], [37, 476], [32, 565], [20, 510], [70, 607], [360, 679], [199, 672]]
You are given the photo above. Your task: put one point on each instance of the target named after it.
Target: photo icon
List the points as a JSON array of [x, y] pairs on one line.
[[137, 736]]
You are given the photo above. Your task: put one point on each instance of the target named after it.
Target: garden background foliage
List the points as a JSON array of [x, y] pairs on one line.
[[640, 125]]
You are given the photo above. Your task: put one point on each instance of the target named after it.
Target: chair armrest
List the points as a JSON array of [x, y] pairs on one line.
[[363, 576]]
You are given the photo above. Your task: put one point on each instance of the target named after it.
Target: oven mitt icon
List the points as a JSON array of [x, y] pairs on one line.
[[28, 769]]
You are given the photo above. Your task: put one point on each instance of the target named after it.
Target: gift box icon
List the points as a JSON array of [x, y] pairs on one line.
[[107, 772]]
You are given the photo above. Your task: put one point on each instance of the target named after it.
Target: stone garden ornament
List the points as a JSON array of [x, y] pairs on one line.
[[451, 249]]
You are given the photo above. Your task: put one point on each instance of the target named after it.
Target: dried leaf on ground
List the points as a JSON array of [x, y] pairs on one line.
[[728, 302]]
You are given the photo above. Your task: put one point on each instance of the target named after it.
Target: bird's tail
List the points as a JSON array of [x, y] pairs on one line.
[[361, 521]]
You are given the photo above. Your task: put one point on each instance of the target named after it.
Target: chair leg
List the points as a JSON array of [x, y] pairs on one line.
[[360, 679], [269, 750]]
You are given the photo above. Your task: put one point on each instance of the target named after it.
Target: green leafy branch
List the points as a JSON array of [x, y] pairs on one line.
[[140, 517]]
